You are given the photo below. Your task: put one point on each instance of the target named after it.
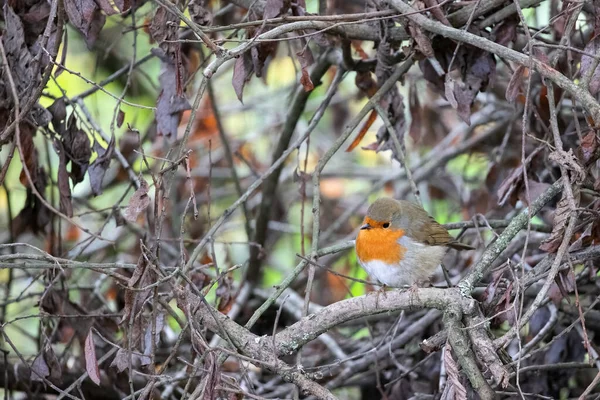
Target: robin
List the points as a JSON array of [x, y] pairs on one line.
[[400, 244]]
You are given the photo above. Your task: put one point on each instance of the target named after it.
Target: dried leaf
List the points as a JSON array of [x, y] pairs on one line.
[[306, 59], [120, 118], [39, 369], [211, 367], [100, 165], [164, 31], [506, 31], [91, 362], [138, 202], [52, 362], [121, 360], [77, 147], [224, 293], [66, 206], [422, 40], [588, 147], [148, 342], [437, 11], [363, 131], [200, 13], [416, 113], [275, 8], [18, 56], [86, 16], [584, 240], [561, 216], [587, 62], [454, 389], [106, 6], [123, 5], [58, 109], [365, 82], [514, 85], [171, 102], [242, 71]]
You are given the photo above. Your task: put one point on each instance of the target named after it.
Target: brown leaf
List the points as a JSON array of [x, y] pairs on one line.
[[200, 13], [306, 59], [422, 40], [121, 360], [148, 341], [58, 109], [170, 102], [18, 56], [588, 147], [214, 377], [436, 11], [587, 62], [78, 151], [39, 369], [365, 82], [454, 388], [120, 118], [100, 165], [416, 113], [363, 131], [275, 8], [224, 293], [535, 190], [242, 71], [52, 362], [164, 30], [64, 189], [514, 85], [85, 15], [506, 31], [106, 6], [91, 363], [561, 216], [123, 5], [138, 202]]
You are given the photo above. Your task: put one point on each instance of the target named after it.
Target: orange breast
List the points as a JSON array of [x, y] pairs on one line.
[[380, 244]]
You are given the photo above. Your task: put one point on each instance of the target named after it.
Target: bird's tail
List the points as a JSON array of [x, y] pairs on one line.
[[460, 246]]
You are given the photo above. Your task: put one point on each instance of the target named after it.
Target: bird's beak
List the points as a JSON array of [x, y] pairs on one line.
[[365, 226]]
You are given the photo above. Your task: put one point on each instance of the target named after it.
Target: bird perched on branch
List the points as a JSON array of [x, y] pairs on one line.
[[400, 244]]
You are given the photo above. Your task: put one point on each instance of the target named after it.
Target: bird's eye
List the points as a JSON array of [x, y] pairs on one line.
[[386, 225]]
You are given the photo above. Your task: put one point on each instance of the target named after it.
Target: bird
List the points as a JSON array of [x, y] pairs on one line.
[[400, 244]]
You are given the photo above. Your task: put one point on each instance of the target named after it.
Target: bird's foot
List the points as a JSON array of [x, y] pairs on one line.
[[380, 291]]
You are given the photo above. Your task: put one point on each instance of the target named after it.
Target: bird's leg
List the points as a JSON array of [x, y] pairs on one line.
[[379, 292], [413, 290]]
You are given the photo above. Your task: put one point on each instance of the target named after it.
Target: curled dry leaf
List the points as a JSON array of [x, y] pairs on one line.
[[120, 118], [588, 147], [472, 71], [587, 63], [91, 362], [454, 389], [561, 216], [516, 81], [306, 59], [77, 148], [87, 17], [39, 369], [100, 165], [242, 72], [150, 343], [64, 189], [200, 13], [138, 202]]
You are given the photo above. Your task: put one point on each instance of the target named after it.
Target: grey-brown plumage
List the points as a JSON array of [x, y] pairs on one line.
[[414, 221]]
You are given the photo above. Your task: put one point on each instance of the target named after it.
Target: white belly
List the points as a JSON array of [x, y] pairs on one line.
[[419, 263]]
